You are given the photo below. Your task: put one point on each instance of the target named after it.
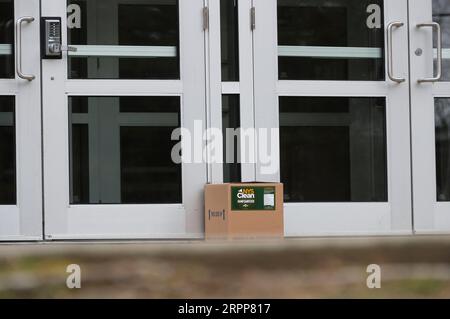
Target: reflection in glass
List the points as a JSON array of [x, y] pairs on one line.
[[331, 40], [230, 123], [124, 40], [7, 152], [333, 149], [121, 150], [441, 15], [6, 38], [442, 120], [229, 33]]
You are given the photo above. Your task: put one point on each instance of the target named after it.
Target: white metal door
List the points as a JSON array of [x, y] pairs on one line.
[[109, 109], [20, 122], [320, 72], [430, 115]]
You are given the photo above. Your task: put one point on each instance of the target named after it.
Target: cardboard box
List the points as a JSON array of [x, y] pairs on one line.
[[244, 210]]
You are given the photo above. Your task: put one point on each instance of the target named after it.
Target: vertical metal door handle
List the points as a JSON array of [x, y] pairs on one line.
[[438, 30], [19, 23], [390, 64]]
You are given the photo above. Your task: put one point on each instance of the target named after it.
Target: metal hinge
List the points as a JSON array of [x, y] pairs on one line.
[[205, 18], [253, 18]]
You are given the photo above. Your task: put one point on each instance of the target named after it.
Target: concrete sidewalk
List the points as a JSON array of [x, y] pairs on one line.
[[14, 249]]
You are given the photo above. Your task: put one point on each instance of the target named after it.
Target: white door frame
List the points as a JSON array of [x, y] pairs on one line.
[[243, 87], [317, 219], [430, 216], [65, 221], [23, 221]]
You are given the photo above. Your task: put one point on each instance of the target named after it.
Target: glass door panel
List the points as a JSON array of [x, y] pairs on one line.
[[442, 129], [124, 39], [8, 175], [441, 15], [7, 39], [121, 150], [341, 143], [229, 39], [331, 40]]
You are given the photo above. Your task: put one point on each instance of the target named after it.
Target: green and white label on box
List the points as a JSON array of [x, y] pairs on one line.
[[252, 197]]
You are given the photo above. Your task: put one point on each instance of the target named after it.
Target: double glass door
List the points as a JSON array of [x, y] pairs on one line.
[[358, 103], [348, 102]]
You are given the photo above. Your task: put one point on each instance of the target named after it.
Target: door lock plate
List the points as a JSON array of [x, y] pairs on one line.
[[51, 38]]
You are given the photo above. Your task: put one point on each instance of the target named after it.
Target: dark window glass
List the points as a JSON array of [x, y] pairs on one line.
[[441, 15], [333, 149], [7, 152], [6, 39], [125, 40], [121, 150], [331, 40], [231, 138], [442, 114], [80, 163], [229, 33]]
